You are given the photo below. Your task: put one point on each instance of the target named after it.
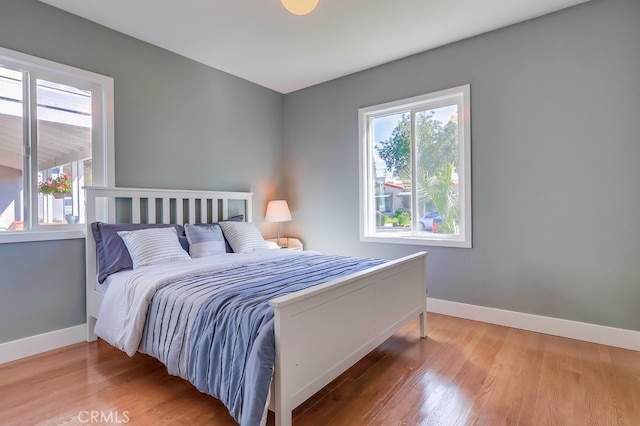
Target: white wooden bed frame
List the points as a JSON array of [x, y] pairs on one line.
[[321, 331]]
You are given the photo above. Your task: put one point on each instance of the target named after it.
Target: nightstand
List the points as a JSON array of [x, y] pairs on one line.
[[288, 243]]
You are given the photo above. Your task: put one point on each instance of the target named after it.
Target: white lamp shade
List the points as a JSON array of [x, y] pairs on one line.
[[277, 211]]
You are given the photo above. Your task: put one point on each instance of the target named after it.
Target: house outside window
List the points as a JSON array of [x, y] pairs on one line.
[[415, 168], [56, 136]]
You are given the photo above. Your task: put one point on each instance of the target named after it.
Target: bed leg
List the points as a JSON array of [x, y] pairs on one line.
[[91, 323], [423, 325]]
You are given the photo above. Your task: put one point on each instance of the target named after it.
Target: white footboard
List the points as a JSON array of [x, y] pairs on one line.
[[322, 331]]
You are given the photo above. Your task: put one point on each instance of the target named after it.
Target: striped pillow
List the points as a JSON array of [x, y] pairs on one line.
[[152, 246], [205, 240], [243, 236]]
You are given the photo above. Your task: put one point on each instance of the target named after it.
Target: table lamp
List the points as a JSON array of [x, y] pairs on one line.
[[278, 211]]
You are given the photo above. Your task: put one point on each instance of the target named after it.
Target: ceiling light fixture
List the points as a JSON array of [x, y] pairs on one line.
[[300, 7]]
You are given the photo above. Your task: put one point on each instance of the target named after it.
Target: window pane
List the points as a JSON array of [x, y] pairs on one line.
[[436, 170], [64, 151], [392, 171], [11, 157]]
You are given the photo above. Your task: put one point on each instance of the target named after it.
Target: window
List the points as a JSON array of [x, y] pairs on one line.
[[56, 136], [415, 168]]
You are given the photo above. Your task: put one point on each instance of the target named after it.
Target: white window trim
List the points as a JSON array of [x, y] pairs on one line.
[[103, 151], [367, 211]]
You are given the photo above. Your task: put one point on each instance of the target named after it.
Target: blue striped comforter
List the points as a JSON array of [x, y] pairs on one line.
[[216, 330]]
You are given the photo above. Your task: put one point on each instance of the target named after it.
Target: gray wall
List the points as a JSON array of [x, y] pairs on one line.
[[178, 124], [555, 150], [555, 107]]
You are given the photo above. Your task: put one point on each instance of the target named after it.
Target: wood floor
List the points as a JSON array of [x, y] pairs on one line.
[[464, 373]]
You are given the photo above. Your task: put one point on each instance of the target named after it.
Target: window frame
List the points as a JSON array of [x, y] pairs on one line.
[[102, 137], [460, 95]]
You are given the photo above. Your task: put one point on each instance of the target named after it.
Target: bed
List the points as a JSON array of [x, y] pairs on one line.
[[318, 331]]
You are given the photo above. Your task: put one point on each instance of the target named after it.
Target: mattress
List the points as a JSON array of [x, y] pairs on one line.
[[122, 275]]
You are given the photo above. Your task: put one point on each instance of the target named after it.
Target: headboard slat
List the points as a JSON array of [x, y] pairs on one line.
[[111, 215], [179, 211], [151, 209], [203, 210], [225, 209], [192, 210], [214, 210], [166, 210], [135, 207]]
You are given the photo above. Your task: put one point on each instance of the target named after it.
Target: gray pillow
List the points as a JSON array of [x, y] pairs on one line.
[[237, 218], [113, 255], [205, 240]]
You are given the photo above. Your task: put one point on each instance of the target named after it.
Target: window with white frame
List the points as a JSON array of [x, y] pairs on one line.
[[415, 170], [56, 136]]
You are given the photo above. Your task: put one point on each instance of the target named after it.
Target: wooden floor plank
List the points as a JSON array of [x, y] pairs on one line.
[[464, 373]]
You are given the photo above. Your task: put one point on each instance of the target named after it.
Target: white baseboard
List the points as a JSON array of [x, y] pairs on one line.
[[610, 336], [21, 348]]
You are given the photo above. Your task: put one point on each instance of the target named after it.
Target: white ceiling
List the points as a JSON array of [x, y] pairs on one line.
[[258, 40]]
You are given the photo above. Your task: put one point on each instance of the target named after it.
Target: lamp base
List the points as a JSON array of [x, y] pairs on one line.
[[281, 244]]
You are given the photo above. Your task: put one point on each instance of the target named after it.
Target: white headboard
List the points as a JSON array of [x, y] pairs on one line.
[[163, 205], [143, 205]]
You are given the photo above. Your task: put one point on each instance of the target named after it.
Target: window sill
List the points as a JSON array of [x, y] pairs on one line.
[[441, 241], [30, 236]]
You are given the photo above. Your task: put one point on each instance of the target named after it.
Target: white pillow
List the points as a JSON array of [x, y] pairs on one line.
[[152, 246], [243, 237]]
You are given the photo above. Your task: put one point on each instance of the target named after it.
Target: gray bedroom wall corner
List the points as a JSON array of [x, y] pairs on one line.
[[555, 107]]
